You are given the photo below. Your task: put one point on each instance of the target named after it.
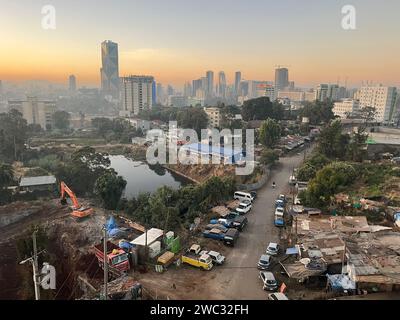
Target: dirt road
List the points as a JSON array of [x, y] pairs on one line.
[[238, 279]]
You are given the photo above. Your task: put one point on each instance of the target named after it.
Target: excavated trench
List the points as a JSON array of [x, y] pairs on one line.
[[68, 249]]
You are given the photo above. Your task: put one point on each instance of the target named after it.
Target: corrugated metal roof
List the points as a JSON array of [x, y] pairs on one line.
[[37, 181]]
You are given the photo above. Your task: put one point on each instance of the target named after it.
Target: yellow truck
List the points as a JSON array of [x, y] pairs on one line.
[[193, 258]]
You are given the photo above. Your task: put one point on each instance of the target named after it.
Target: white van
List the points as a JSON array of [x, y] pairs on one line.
[[242, 196]]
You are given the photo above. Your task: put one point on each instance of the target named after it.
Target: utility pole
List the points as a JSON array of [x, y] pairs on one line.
[[36, 276], [105, 267], [35, 266]]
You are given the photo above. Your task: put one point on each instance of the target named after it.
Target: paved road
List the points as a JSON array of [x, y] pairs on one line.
[[239, 279]]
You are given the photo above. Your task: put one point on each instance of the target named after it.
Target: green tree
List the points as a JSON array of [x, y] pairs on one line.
[[61, 120], [13, 135], [83, 169], [317, 112], [109, 187], [102, 125], [328, 181], [261, 109], [6, 179], [269, 157], [193, 118], [332, 143], [270, 133], [310, 168]]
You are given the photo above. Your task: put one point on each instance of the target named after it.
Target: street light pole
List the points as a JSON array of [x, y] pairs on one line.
[[105, 266]]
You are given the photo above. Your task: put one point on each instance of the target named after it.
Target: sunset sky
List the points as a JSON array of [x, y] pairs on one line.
[[178, 40]]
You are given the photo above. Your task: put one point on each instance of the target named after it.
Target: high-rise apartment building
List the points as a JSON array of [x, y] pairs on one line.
[[322, 92], [36, 111], [72, 83], [214, 117], [210, 83], [110, 80], [383, 99], [221, 84], [345, 108], [281, 78], [196, 85], [187, 90], [137, 94], [238, 78]]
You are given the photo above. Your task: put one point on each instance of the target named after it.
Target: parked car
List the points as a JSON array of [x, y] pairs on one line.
[[241, 196], [279, 211], [273, 249], [215, 256], [231, 237], [264, 262], [279, 203], [277, 296], [282, 197], [221, 227], [297, 201], [244, 208], [269, 281], [254, 194], [215, 234]]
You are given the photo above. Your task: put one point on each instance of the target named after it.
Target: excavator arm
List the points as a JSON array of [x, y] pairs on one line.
[[66, 190]]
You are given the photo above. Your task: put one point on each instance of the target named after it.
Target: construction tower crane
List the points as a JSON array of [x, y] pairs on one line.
[[78, 211]]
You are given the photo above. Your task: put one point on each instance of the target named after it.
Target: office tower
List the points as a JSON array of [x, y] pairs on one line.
[[238, 78], [333, 92], [170, 90], [110, 80], [204, 84], [270, 92], [1, 88], [196, 85], [221, 84], [187, 90], [243, 88], [72, 83], [35, 111], [137, 94], [322, 92], [210, 83], [281, 78], [159, 93], [383, 99]]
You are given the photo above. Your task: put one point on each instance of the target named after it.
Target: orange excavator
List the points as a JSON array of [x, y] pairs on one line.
[[78, 211]]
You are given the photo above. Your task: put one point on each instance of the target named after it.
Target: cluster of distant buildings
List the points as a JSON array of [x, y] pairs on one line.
[[135, 93]]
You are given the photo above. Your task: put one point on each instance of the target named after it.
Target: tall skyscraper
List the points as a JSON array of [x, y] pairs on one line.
[[110, 71], [281, 78], [238, 78], [221, 84], [196, 85], [187, 90], [137, 94], [159, 93], [210, 83], [72, 83], [322, 92], [1, 88]]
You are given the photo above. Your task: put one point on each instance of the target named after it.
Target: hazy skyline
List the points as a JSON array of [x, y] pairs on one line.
[[177, 41]]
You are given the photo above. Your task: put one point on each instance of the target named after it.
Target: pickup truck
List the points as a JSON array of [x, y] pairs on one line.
[[232, 220], [215, 234], [191, 257], [216, 225], [231, 237], [215, 256], [116, 257]]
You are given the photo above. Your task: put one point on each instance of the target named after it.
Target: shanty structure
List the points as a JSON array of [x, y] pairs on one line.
[[42, 183]]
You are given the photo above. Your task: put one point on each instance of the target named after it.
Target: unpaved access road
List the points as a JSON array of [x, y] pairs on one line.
[[238, 279]]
